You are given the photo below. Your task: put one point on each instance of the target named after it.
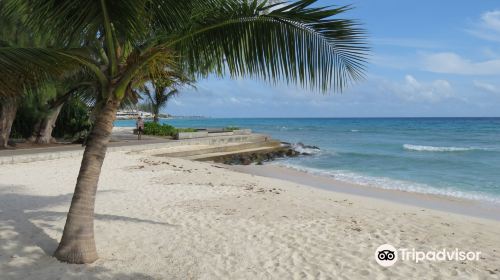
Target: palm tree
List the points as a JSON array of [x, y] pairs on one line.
[[162, 91], [8, 109], [159, 99], [12, 33], [295, 43], [42, 130]]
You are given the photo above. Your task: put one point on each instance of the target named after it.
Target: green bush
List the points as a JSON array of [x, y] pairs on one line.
[[151, 128], [31, 110], [231, 128], [74, 121], [186, 130]]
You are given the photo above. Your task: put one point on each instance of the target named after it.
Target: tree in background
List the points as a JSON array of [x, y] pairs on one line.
[[79, 84], [75, 119], [159, 91], [29, 110], [13, 33], [159, 98], [8, 110], [39, 110], [295, 43], [31, 100]]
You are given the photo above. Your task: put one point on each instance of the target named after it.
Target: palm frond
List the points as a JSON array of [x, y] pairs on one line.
[[169, 95], [297, 43], [32, 66], [74, 21], [22, 67]]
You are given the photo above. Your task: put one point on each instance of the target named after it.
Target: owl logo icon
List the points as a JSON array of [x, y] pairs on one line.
[[386, 255]]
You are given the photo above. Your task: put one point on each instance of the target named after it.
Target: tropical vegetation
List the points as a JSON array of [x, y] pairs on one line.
[[158, 92], [231, 128], [123, 44], [154, 128]]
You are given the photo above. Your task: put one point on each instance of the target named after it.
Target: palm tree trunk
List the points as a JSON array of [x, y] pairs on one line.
[[156, 114], [36, 131], [43, 132], [77, 244], [8, 109]]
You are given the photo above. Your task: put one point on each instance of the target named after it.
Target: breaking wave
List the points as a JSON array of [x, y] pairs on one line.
[[394, 184], [420, 148], [305, 149]]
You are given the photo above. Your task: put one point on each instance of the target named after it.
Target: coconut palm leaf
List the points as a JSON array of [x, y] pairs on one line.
[[32, 67], [294, 43], [85, 18]]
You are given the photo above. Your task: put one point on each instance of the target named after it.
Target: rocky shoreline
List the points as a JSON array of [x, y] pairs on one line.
[[259, 157]]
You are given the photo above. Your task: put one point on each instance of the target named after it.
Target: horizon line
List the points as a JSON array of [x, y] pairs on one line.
[[403, 117]]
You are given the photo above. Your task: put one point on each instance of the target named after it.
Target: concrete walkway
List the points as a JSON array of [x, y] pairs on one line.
[[119, 142]]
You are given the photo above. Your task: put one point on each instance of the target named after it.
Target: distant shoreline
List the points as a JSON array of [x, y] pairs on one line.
[[340, 118], [161, 118]]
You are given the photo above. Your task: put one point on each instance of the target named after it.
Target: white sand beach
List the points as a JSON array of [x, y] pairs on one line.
[[164, 218]]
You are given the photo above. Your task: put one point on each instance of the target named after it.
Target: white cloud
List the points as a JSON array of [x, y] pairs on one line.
[[488, 27], [487, 87], [177, 102], [234, 100], [452, 63], [489, 52], [378, 96], [413, 90], [492, 20]]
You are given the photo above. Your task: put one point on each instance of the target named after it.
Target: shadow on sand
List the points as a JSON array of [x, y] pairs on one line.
[[26, 249]]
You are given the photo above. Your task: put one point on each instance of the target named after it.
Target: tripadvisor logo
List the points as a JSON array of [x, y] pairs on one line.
[[387, 255]]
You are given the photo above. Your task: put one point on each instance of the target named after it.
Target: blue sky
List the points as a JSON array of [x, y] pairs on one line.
[[429, 59]]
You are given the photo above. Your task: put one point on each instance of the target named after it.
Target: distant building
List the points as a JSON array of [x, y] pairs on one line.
[[132, 114]]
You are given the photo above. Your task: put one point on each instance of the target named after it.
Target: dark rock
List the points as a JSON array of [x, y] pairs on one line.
[[302, 145], [286, 150], [246, 160]]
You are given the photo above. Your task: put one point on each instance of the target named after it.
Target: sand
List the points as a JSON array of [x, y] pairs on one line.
[[164, 218]]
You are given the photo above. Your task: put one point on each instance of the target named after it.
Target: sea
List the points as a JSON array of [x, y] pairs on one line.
[[457, 157]]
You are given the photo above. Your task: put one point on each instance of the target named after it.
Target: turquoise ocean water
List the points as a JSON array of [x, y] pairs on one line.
[[450, 156]]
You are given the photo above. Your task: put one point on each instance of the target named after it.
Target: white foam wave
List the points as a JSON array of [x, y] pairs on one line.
[[305, 150], [393, 184], [420, 148]]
